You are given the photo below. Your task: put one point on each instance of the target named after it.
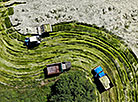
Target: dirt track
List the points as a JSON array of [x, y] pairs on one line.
[[118, 16]]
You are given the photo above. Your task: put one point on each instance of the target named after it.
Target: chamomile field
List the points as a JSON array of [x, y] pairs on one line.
[[85, 46]]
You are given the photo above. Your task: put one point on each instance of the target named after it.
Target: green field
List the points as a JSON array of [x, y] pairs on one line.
[[85, 46]]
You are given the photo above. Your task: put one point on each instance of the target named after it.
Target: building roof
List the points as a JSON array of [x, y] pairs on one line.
[[47, 28]]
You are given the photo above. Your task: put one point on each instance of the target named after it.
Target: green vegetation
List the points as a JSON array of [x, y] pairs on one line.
[[73, 87], [37, 94], [10, 11], [7, 22], [85, 46], [4, 0]]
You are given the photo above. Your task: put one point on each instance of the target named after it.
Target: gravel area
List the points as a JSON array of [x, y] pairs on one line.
[[118, 16]]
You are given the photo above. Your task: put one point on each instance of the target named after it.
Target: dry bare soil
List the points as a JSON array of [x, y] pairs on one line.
[[117, 16], [83, 44]]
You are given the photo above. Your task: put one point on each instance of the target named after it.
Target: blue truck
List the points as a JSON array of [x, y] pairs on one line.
[[102, 80]]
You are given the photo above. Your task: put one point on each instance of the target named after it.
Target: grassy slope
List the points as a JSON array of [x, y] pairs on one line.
[[84, 45]]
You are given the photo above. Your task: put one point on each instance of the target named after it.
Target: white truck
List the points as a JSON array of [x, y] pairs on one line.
[[42, 31]]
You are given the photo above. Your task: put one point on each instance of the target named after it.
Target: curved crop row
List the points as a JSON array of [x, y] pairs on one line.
[[85, 46]]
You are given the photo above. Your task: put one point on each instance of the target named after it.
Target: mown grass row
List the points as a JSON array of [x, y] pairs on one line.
[[102, 57], [65, 48], [58, 51], [86, 46], [122, 59]]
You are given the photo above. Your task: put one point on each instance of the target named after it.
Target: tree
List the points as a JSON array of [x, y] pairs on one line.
[[73, 87]]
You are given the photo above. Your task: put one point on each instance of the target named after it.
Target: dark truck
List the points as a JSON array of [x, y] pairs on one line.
[[42, 31], [32, 41], [57, 68], [102, 80]]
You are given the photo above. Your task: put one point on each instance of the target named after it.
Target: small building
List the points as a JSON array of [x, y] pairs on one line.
[[44, 29], [57, 68], [101, 79]]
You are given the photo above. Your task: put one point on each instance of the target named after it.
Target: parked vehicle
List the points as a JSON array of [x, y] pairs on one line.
[[43, 31], [32, 41], [57, 68], [102, 80]]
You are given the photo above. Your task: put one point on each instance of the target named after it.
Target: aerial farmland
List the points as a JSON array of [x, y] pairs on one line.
[[68, 51]]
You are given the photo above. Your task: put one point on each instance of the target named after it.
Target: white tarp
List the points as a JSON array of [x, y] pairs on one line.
[[33, 39], [105, 81]]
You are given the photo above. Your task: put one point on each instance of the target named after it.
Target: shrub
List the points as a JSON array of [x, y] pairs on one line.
[[37, 94], [73, 87], [10, 11], [7, 22]]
